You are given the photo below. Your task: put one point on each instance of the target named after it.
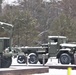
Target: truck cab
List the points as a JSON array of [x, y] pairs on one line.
[[5, 46], [5, 55], [54, 44]]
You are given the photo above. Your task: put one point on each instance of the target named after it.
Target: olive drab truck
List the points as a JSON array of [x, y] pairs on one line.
[[56, 46], [5, 46]]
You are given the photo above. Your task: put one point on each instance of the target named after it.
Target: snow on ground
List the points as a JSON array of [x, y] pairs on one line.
[[51, 71], [54, 72], [58, 72]]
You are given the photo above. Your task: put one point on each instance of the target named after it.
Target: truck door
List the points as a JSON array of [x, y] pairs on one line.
[[53, 47], [1, 45]]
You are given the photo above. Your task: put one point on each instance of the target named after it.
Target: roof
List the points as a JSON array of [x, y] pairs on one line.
[[56, 36]]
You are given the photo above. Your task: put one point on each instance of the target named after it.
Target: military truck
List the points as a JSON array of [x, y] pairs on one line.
[[5, 46], [54, 48], [5, 55]]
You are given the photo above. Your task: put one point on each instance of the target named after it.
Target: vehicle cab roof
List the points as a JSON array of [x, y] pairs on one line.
[[56, 37], [4, 38]]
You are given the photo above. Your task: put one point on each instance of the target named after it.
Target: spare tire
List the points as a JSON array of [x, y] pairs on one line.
[[65, 58]]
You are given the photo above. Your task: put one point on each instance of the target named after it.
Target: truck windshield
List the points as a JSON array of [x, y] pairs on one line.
[[54, 40]]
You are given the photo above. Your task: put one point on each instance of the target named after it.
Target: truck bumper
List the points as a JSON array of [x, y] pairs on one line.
[[7, 54]]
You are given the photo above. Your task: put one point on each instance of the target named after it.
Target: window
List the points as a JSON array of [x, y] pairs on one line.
[[54, 40]]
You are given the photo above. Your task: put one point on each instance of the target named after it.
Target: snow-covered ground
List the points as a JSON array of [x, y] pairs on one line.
[[51, 71], [58, 72], [54, 72]]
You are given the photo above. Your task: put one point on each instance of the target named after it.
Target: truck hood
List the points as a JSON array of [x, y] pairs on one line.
[[68, 45]]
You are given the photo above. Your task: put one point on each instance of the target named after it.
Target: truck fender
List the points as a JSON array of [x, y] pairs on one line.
[[61, 51]]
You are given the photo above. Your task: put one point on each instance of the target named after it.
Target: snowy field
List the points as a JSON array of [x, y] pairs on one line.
[[51, 71]]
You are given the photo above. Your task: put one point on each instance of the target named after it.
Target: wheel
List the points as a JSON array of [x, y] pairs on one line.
[[41, 61], [33, 58], [65, 58], [6, 62], [21, 59]]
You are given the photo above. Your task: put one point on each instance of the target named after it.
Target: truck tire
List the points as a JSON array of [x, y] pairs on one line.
[[21, 59], [6, 62], [65, 58], [41, 61], [33, 58]]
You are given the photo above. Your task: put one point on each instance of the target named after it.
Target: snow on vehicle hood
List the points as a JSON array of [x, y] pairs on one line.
[[68, 45]]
